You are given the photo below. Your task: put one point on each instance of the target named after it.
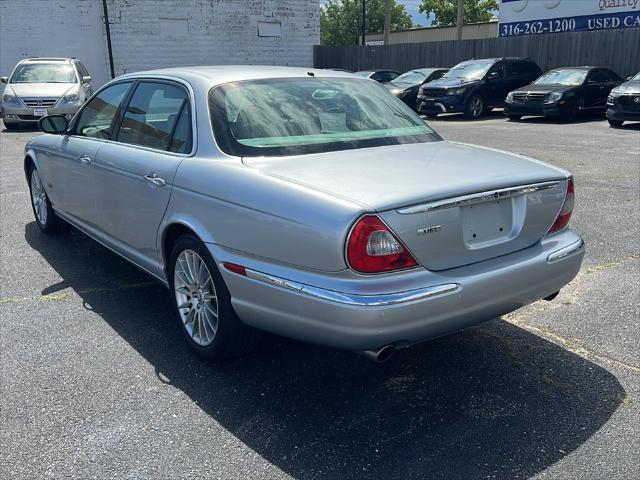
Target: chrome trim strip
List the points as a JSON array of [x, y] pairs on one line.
[[441, 107], [566, 251], [474, 198], [383, 299]]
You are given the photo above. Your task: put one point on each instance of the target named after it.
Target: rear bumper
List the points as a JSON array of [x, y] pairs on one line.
[[356, 312]]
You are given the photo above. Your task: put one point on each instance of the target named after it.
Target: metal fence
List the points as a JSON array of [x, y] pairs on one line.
[[616, 49]]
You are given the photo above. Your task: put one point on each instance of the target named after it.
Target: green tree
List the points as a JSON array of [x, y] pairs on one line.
[[444, 12], [340, 20]]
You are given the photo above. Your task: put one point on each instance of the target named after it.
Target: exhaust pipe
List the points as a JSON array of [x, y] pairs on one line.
[[380, 355]]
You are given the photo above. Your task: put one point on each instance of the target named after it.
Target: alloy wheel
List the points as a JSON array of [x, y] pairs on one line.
[[196, 297], [476, 107], [38, 198]]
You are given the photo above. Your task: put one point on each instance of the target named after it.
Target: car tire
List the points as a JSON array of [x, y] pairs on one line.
[[11, 126], [474, 108], [514, 118], [570, 111], [615, 123], [46, 219], [202, 304]]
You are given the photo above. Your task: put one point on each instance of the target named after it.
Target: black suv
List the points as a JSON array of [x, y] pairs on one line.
[[476, 86]]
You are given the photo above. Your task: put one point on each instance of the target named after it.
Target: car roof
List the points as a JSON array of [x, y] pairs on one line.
[[47, 60], [219, 74]]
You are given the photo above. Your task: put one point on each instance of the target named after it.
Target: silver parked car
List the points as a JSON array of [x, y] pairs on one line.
[[308, 203], [43, 86]]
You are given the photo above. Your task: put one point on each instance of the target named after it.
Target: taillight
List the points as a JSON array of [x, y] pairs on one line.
[[562, 220], [372, 248]]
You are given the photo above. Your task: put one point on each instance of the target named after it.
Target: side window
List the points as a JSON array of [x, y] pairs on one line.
[[388, 76], [497, 68], [597, 76], [610, 76], [436, 75], [532, 69], [96, 117], [83, 70], [181, 140], [152, 115], [377, 77], [515, 69]]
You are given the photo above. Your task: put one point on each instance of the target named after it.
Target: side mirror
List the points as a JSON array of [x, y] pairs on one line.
[[86, 79], [493, 75], [4, 79], [55, 124]]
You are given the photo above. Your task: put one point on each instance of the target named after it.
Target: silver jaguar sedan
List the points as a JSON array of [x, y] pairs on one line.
[[308, 203]]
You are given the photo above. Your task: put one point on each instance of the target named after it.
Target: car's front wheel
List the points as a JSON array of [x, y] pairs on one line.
[[203, 303], [46, 218], [615, 123], [514, 118], [474, 107]]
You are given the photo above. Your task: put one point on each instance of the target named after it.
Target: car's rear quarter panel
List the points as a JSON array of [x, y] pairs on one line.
[[235, 206]]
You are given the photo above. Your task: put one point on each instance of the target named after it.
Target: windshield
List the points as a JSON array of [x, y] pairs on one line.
[[474, 70], [562, 77], [637, 77], [294, 116], [44, 73], [414, 76]]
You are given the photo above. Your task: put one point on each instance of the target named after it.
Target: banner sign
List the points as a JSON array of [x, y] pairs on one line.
[[526, 17]]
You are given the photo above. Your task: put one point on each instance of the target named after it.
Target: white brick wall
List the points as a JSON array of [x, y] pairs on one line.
[[158, 33], [53, 28]]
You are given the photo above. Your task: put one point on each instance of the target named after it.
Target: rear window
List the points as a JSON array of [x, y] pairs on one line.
[[293, 116]]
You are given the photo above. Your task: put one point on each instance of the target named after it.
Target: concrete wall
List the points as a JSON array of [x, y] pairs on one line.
[[160, 33], [438, 34]]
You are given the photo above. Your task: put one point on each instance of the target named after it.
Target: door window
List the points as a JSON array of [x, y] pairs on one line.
[[497, 71], [96, 118], [515, 69], [156, 113]]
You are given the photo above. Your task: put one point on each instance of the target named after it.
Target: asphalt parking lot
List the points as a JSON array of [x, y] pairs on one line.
[[98, 383]]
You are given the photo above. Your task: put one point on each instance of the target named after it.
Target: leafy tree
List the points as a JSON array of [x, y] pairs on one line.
[[445, 11], [340, 20]]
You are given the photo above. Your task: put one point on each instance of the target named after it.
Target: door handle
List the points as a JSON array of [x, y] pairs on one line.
[[155, 179], [85, 159]]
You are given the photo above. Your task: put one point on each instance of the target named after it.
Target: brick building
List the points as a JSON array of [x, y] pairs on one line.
[[159, 33]]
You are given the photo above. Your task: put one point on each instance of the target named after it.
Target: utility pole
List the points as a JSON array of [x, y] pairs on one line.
[[387, 21], [364, 16], [460, 19]]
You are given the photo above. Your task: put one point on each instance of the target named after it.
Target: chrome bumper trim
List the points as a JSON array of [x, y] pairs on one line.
[[565, 251], [383, 299], [441, 107], [477, 198]]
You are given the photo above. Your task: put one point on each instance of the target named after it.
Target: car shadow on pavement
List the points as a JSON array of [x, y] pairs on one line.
[[494, 401]]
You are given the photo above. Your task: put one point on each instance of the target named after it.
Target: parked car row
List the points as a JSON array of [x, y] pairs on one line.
[[475, 87]]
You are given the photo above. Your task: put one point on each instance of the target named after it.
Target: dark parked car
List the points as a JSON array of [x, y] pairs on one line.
[[476, 86], [382, 76], [624, 102], [563, 92], [406, 86]]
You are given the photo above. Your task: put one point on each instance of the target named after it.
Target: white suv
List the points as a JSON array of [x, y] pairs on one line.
[[43, 86]]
